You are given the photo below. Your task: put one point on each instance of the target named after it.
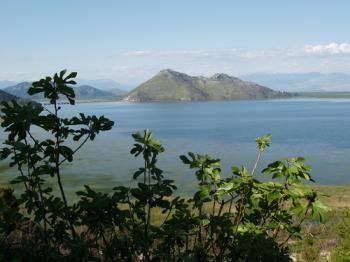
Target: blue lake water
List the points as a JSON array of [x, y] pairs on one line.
[[318, 130]]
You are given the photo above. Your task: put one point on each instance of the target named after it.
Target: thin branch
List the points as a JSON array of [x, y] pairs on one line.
[[64, 159], [19, 166], [257, 162], [57, 163], [37, 180], [223, 203], [77, 149], [168, 215], [301, 221]]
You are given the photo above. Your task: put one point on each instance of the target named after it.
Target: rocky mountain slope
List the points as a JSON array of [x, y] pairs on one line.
[[169, 85]]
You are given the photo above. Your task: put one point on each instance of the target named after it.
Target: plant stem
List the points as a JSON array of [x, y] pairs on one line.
[[256, 162], [301, 221], [57, 166], [77, 149]]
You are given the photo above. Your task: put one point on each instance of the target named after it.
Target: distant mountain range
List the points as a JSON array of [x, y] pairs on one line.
[[303, 82], [4, 96], [18, 90], [106, 84], [169, 85], [82, 92]]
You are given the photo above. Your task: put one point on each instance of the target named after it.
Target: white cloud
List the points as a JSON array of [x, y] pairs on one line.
[[137, 53], [326, 58], [332, 48], [134, 66]]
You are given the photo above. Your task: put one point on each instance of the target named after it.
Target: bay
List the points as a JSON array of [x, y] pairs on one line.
[[318, 130]]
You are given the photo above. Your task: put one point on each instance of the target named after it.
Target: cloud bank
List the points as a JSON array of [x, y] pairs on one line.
[[142, 64], [332, 49], [135, 66]]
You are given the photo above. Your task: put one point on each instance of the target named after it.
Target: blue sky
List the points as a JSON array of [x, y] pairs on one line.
[[129, 41]]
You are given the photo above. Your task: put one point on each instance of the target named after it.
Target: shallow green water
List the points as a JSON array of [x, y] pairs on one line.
[[316, 129]]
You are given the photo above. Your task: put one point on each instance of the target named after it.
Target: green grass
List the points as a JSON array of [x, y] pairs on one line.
[[339, 95], [336, 197], [323, 240]]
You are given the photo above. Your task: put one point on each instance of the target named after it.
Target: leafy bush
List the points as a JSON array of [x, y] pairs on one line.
[[237, 218]]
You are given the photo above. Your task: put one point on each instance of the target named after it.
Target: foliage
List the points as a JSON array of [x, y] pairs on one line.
[[236, 217], [342, 252]]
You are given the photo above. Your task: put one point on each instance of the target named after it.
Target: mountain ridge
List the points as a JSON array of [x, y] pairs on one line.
[[82, 92], [171, 85], [4, 96], [105, 84]]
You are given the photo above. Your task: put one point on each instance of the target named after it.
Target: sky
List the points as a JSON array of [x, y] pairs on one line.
[[129, 41]]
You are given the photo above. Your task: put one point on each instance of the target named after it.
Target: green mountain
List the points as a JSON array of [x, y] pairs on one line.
[[90, 92], [169, 85], [83, 92]]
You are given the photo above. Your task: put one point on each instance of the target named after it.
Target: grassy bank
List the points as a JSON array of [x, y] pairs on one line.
[[336, 197], [338, 95], [329, 241]]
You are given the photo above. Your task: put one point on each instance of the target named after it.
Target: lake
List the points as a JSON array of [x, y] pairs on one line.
[[318, 130]]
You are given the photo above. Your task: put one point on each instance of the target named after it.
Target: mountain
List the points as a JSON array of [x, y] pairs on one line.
[[169, 85], [303, 82], [106, 84], [19, 90], [82, 92], [90, 92], [116, 91], [4, 96]]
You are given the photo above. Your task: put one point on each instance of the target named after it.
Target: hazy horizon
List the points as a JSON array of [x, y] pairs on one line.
[[290, 82]]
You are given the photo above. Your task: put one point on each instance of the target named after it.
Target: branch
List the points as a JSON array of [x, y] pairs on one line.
[[301, 221], [256, 162], [63, 160], [168, 215], [19, 166], [76, 150]]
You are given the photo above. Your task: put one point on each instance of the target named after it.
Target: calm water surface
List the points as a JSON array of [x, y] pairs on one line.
[[316, 129]]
